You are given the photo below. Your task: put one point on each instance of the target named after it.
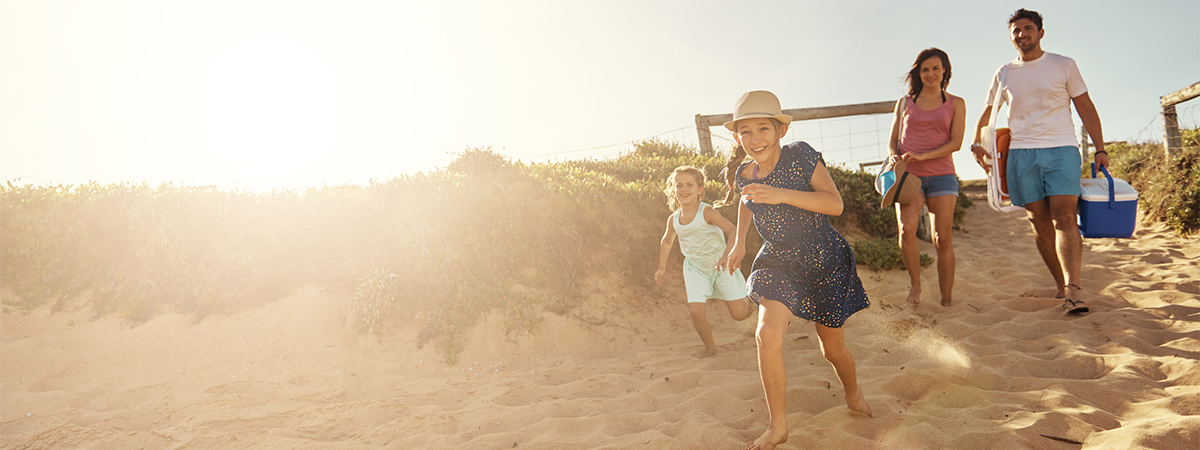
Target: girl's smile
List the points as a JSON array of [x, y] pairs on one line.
[[688, 189], [760, 137]]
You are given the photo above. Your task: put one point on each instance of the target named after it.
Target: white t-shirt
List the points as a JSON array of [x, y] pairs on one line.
[[1039, 94]]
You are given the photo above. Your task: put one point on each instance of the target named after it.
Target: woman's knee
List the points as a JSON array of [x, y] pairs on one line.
[[943, 241]]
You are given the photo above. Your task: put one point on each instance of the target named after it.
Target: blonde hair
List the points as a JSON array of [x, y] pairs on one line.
[[672, 201]]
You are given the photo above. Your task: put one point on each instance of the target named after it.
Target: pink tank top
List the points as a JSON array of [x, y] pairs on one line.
[[922, 131]]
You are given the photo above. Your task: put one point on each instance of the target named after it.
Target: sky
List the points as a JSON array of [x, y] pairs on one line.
[[258, 95]]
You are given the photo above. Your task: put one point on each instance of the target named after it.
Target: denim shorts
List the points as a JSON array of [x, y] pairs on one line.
[[939, 185], [1037, 173]]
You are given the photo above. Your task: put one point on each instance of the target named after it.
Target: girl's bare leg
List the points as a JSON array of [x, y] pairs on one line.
[[701, 323], [833, 346], [740, 309], [773, 319], [908, 216], [942, 210]]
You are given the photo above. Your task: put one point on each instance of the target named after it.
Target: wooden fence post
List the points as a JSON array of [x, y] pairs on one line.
[[1084, 142], [702, 132], [1172, 141]]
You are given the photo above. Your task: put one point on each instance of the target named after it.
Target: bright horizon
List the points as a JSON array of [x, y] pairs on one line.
[[263, 95]]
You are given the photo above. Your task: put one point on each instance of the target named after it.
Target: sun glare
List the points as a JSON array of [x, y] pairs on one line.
[[270, 104]]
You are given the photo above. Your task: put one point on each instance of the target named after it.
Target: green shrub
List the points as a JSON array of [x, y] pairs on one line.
[[1168, 187], [483, 235], [882, 254], [861, 204]]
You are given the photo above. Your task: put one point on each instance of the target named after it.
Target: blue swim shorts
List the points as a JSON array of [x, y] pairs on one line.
[[939, 185], [1037, 173]]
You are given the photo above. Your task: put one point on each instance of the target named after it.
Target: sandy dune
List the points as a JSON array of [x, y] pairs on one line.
[[998, 370]]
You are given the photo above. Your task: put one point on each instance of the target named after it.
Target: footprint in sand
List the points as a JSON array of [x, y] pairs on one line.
[[1156, 259]]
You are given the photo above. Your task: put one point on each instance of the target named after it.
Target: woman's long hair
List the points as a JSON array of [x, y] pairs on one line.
[[914, 75]]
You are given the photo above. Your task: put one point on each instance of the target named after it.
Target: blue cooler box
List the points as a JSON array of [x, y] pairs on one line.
[[1107, 207]]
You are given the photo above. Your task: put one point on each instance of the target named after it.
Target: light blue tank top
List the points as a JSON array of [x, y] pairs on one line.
[[699, 239]]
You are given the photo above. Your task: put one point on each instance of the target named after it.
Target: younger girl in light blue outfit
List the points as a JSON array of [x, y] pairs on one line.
[[703, 233]]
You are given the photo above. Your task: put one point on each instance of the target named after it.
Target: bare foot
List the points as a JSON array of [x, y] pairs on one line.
[[946, 302], [1061, 293], [914, 295], [706, 353], [858, 403], [768, 440]]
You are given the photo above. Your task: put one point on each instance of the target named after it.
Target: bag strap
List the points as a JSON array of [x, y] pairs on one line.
[[998, 99]]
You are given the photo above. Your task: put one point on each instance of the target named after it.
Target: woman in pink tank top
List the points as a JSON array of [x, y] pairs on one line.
[[927, 128]]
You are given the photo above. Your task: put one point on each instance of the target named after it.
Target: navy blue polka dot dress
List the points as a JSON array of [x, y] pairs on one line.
[[804, 262]]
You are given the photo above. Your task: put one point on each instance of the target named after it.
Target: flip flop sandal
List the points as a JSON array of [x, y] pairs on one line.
[[1074, 307]]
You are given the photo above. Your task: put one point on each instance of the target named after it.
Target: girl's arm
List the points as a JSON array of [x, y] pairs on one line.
[[664, 250], [957, 126], [824, 199], [713, 217], [733, 260]]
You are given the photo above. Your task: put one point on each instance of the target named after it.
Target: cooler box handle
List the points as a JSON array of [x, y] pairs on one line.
[[1112, 190]]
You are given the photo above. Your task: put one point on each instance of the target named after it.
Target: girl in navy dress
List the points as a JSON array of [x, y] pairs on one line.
[[805, 268]]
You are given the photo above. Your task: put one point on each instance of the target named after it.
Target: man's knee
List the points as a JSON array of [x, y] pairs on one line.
[[1064, 208]]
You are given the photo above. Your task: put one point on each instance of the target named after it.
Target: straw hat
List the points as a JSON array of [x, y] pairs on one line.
[[756, 104], [904, 190]]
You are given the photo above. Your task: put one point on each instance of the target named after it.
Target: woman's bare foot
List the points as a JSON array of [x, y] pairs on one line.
[[706, 353], [857, 402], [946, 302], [768, 440], [914, 295]]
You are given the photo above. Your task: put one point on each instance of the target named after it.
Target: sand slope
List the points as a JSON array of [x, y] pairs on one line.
[[998, 370]]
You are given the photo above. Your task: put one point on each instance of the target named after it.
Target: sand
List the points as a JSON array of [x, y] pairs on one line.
[[997, 370]]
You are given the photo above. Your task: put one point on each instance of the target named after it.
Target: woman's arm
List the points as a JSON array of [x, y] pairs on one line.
[[894, 138], [824, 199], [958, 125]]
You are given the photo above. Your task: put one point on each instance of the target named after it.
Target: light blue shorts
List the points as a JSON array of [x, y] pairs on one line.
[[1037, 173], [939, 185], [703, 281]]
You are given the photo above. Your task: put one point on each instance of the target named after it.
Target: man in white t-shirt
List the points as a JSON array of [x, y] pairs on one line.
[[1044, 162]]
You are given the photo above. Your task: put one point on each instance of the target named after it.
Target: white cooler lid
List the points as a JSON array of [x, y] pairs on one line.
[[1096, 190]]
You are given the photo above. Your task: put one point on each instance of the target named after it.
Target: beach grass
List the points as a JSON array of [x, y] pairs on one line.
[[483, 234]]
